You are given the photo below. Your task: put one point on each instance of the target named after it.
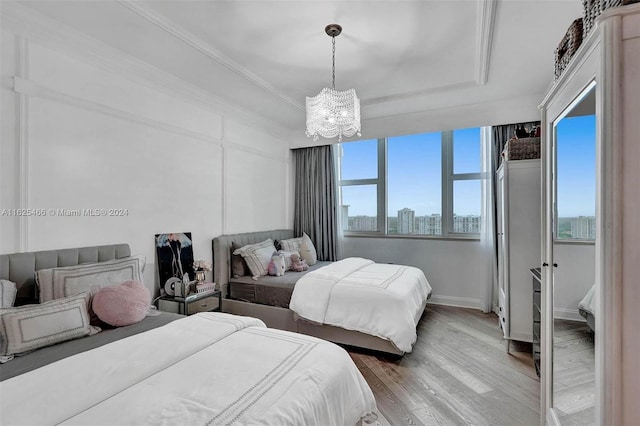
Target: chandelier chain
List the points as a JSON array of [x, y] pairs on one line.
[[333, 55]]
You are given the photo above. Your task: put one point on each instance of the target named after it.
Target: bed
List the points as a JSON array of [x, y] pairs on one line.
[[212, 368], [587, 307], [392, 304]]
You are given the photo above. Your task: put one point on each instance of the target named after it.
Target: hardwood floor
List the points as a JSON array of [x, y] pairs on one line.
[[574, 372], [458, 373]]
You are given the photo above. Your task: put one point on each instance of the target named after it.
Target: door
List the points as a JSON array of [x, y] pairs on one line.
[[503, 251]]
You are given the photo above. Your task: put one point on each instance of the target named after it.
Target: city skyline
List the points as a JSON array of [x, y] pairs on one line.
[[576, 171]]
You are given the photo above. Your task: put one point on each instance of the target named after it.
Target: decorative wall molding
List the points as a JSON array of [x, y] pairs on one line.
[[249, 150], [31, 89], [421, 92], [22, 124], [34, 26]]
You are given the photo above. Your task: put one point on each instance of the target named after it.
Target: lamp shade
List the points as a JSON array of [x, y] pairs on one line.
[[333, 113]]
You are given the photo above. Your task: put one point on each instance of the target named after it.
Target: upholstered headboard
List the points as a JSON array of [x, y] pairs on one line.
[[21, 267], [221, 247]]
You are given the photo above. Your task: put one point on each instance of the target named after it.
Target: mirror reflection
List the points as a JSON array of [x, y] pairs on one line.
[[574, 253]]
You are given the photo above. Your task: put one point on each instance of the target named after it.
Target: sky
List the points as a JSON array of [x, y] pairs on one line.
[[576, 166], [415, 174]]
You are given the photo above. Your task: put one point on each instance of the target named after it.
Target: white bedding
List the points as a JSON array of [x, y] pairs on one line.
[[208, 368], [588, 302], [382, 300]]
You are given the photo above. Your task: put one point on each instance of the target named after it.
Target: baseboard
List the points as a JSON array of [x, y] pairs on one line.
[[568, 314], [461, 302]]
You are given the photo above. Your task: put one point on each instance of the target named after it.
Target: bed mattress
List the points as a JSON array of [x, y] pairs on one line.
[[268, 290], [32, 360]]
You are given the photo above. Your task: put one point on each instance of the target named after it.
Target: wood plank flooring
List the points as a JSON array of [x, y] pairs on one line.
[[458, 373], [574, 372]]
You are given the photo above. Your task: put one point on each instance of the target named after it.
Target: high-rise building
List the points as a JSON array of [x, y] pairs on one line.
[[466, 224], [583, 227], [428, 225], [406, 221], [363, 223], [345, 217]]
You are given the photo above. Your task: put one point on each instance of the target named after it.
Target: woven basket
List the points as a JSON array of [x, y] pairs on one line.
[[593, 9], [568, 47], [522, 149]]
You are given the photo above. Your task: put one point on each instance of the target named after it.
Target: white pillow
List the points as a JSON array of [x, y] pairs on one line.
[[257, 256], [7, 293], [291, 245], [30, 327], [308, 250], [55, 283]]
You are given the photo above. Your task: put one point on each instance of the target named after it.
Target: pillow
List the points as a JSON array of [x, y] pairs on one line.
[[7, 293], [308, 251], [56, 283], [287, 258], [122, 304], [239, 267], [257, 256], [31, 327], [291, 245]]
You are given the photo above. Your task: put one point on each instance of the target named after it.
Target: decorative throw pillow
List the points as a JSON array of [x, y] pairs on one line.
[[291, 245], [308, 250], [55, 283], [7, 293], [30, 327], [257, 256], [122, 304], [239, 267]]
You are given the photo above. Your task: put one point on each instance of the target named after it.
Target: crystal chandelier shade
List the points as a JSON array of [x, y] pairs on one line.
[[333, 113]]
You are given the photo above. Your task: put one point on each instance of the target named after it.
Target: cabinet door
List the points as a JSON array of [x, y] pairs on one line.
[[503, 253]]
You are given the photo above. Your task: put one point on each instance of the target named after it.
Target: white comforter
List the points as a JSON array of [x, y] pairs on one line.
[[208, 368], [382, 300]]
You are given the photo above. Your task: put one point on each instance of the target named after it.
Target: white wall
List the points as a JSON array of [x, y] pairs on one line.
[[573, 277], [86, 127], [454, 268]]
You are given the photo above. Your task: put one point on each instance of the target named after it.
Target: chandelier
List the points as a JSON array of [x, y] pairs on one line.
[[333, 113]]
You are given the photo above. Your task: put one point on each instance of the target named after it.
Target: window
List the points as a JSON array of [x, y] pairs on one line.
[[576, 180], [360, 171], [424, 184], [465, 181], [414, 184]]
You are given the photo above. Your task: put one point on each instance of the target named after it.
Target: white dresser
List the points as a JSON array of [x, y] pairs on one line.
[[519, 206]]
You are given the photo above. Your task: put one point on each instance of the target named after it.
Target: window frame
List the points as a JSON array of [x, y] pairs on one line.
[[447, 182], [381, 189]]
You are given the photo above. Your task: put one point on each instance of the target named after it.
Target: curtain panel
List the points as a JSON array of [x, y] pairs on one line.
[[316, 199]]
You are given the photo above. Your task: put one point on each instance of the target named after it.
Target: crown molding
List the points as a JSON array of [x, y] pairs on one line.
[[205, 48], [413, 94], [485, 24], [484, 39], [34, 26]]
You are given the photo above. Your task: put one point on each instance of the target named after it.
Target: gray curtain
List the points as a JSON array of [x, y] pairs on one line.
[[316, 199]]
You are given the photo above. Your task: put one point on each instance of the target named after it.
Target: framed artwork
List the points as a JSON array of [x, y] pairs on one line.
[[175, 256]]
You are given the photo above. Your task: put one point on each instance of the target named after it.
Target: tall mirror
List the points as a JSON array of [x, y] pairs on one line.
[[574, 229]]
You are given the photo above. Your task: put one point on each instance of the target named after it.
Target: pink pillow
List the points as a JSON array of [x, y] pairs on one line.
[[122, 304]]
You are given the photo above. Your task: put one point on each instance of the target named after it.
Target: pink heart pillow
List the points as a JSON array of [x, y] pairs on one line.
[[122, 304]]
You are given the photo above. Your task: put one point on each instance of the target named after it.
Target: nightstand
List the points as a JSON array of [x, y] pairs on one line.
[[192, 304]]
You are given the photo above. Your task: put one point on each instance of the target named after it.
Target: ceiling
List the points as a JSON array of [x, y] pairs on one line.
[[402, 57]]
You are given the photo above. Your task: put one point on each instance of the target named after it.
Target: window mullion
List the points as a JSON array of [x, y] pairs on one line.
[[382, 185], [447, 182]]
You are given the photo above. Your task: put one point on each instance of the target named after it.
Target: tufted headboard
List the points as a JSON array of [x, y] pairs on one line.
[[21, 267], [221, 247]]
